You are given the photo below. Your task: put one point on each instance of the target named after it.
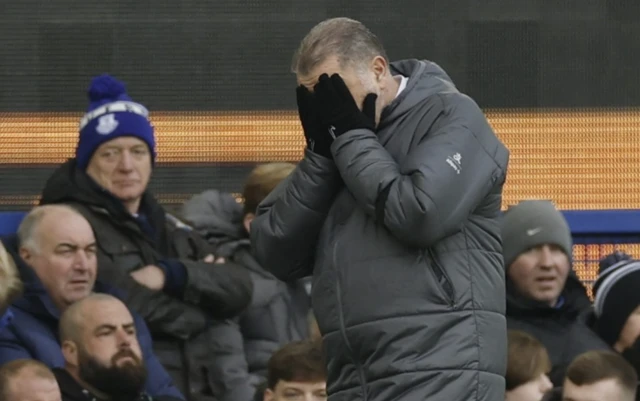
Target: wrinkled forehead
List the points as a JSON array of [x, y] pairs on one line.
[[65, 228]]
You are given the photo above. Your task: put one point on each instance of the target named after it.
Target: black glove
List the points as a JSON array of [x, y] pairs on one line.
[[314, 132], [338, 110]]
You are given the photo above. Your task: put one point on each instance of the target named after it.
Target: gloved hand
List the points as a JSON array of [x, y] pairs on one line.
[[338, 110], [314, 132], [612, 259]]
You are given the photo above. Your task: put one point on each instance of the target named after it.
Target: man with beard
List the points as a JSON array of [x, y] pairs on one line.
[[55, 251], [164, 269], [103, 359]]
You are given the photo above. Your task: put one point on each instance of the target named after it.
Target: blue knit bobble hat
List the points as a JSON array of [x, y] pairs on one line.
[[111, 114]]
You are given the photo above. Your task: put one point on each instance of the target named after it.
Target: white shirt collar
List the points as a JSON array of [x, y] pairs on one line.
[[403, 84]]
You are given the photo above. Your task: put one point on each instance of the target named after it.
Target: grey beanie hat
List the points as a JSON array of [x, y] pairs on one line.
[[532, 223]]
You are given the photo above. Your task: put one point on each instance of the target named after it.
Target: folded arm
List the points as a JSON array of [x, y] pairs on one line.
[[162, 312], [224, 290]]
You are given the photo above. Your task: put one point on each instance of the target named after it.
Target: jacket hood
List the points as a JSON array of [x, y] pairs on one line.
[[218, 217], [426, 79], [575, 302], [71, 184]]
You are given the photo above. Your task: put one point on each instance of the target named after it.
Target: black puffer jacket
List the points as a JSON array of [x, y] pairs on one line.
[[279, 312], [183, 327], [406, 256], [562, 330]]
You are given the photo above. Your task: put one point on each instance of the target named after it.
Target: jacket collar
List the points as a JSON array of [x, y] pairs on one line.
[[70, 388]]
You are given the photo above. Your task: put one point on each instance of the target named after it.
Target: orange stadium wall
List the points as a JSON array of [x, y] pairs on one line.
[[580, 159]]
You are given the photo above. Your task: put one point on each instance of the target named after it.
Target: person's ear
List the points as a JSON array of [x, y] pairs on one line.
[[70, 352], [25, 254], [380, 69]]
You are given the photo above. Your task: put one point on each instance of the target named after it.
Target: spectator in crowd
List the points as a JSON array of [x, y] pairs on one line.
[[297, 372], [527, 367], [617, 305], [28, 380], [103, 359], [10, 286], [56, 256], [279, 311], [544, 296], [600, 375], [397, 218], [162, 267]]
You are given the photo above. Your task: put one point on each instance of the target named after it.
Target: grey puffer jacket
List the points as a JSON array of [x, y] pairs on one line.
[[401, 233], [279, 311]]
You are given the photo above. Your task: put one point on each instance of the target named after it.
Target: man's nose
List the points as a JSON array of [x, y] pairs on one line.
[[126, 161], [81, 261], [124, 339], [546, 257]]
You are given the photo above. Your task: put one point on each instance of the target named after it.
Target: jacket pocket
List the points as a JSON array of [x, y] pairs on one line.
[[443, 282]]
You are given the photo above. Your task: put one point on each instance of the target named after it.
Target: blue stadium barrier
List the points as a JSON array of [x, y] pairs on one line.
[[619, 225], [596, 233]]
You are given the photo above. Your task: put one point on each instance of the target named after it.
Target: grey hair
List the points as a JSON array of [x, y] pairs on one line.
[[347, 39], [27, 231]]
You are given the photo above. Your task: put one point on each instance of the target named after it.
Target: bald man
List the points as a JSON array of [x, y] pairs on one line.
[[55, 251], [28, 380], [103, 359]]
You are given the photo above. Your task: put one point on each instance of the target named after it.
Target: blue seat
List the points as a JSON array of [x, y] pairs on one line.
[[10, 221]]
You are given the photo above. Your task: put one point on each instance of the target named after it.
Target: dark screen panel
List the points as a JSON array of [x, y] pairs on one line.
[[235, 55]]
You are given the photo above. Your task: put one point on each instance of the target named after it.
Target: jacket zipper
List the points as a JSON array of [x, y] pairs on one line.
[[343, 330], [443, 280]]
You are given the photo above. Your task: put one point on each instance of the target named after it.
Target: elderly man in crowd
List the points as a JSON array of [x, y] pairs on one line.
[[56, 253], [163, 267]]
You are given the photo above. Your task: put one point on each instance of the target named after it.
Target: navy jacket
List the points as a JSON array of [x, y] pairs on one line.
[[33, 332]]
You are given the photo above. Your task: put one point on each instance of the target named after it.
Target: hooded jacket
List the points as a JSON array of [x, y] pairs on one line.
[[401, 233], [279, 312], [183, 321]]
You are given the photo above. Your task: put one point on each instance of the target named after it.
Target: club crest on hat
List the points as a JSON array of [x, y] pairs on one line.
[[106, 124]]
